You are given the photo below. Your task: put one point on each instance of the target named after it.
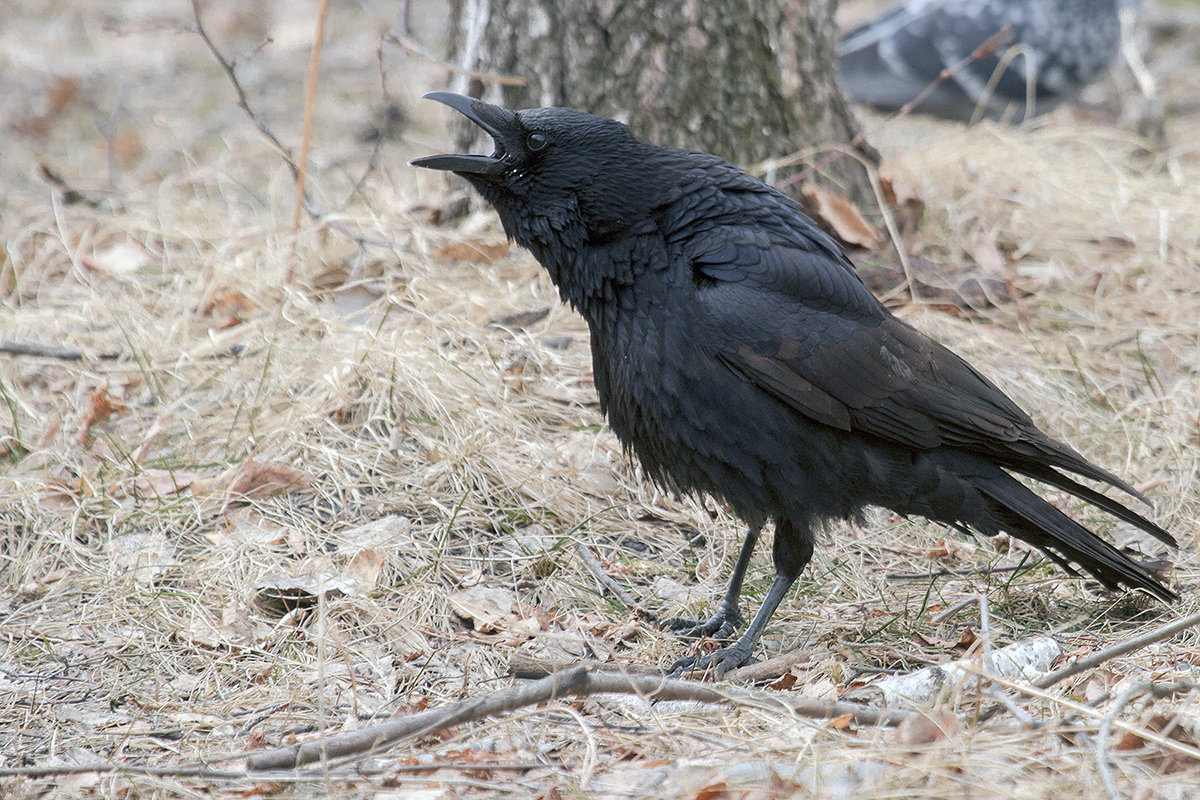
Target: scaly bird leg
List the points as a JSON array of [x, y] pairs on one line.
[[728, 618]]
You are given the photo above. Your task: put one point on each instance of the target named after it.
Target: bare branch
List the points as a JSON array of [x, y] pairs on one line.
[[310, 99], [1100, 656], [608, 582], [578, 681]]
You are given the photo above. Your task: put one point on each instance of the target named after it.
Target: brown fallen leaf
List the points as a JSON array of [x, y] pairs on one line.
[[231, 306], [716, 790], [843, 723], [159, 483], [843, 216], [923, 729], [968, 638], [473, 250], [99, 408], [487, 608], [365, 569], [281, 593], [256, 480]]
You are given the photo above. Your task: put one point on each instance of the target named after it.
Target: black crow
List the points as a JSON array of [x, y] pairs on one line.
[[737, 353], [1053, 49]]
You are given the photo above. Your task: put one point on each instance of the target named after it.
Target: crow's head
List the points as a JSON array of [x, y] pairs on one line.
[[553, 170]]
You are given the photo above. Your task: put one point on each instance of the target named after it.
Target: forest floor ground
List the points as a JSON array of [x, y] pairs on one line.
[[291, 482]]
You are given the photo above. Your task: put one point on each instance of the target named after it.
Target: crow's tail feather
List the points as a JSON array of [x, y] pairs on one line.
[[1022, 513]]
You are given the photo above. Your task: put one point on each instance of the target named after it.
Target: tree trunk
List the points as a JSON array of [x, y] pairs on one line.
[[751, 82]]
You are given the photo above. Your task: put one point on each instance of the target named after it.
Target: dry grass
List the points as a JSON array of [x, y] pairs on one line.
[[447, 469]]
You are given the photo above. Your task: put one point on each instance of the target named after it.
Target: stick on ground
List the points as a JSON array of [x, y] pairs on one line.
[[575, 682]]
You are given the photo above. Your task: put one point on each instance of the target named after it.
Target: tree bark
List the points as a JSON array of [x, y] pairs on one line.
[[751, 82]]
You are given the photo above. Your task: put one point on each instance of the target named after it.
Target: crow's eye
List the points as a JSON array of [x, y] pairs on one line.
[[535, 142]]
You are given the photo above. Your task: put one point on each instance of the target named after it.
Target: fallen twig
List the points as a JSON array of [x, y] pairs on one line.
[[531, 669], [1128, 646], [954, 573], [13, 348], [1100, 656], [608, 582], [1085, 710], [1102, 765], [522, 666], [575, 682]]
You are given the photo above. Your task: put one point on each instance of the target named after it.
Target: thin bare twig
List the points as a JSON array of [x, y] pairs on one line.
[[954, 609], [1105, 769], [14, 348], [1100, 656], [951, 573], [1085, 710], [179, 771], [575, 682], [768, 669], [608, 582], [230, 70], [1121, 648], [310, 99]]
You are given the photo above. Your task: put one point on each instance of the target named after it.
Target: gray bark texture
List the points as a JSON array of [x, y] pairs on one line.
[[749, 81]]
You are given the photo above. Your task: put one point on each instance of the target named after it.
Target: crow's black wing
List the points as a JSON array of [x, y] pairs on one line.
[[795, 320]]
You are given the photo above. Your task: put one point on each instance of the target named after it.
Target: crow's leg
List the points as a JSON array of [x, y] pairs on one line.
[[728, 618], [792, 550]]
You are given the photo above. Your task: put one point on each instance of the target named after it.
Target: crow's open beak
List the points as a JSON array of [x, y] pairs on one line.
[[499, 122]]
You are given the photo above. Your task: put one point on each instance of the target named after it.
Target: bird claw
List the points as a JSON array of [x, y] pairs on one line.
[[721, 625], [719, 662]]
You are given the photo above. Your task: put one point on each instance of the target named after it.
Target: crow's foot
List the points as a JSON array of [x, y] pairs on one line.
[[718, 662], [720, 625]]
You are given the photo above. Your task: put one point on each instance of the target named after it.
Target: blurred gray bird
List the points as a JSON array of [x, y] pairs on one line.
[[1053, 49]]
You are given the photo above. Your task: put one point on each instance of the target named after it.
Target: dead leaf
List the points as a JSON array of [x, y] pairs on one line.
[[281, 593], [843, 723], [487, 608], [785, 681], [230, 306], [139, 455], [713, 791], [923, 729], [968, 638], [956, 288], [473, 250], [257, 480], [159, 483], [843, 216], [100, 407], [365, 569], [125, 146]]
